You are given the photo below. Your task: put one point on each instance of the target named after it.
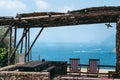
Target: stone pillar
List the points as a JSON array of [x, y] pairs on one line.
[[118, 46]]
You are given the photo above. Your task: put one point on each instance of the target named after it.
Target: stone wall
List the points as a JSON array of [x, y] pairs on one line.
[[14, 75]]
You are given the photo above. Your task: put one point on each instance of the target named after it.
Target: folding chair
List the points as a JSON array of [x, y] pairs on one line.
[[93, 68], [74, 67]]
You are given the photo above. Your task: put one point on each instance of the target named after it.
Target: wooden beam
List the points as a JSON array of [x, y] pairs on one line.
[[118, 46], [35, 40], [39, 14], [29, 56], [26, 44], [15, 36], [10, 45], [5, 34], [22, 43], [74, 19], [83, 16], [18, 43]]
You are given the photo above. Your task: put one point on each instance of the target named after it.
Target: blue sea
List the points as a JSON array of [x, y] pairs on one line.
[[64, 51]]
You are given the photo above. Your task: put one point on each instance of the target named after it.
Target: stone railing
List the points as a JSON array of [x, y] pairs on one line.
[[14, 75]]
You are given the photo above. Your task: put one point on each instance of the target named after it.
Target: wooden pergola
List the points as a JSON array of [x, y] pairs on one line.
[[94, 15]]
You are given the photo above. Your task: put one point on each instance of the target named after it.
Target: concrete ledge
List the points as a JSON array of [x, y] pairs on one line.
[[13, 75]]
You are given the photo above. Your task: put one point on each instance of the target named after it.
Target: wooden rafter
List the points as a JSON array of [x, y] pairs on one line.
[[77, 17], [34, 40]]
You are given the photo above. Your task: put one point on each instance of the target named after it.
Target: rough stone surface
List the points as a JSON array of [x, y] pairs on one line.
[[11, 75]]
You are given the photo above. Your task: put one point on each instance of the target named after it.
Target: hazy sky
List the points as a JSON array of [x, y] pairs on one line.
[[80, 33]]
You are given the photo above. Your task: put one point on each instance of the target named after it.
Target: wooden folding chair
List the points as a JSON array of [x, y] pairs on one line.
[[93, 68], [74, 66]]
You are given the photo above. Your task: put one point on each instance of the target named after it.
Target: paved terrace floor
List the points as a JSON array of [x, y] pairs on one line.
[[72, 76], [81, 78], [103, 75]]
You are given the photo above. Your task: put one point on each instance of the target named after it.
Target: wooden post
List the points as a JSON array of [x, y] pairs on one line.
[[118, 46], [21, 49], [19, 43], [25, 44], [15, 36], [29, 56], [10, 46]]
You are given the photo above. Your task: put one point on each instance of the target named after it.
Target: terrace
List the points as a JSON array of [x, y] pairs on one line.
[[54, 19], [57, 70]]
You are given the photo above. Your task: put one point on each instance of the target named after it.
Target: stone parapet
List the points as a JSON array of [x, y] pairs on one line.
[[13, 75]]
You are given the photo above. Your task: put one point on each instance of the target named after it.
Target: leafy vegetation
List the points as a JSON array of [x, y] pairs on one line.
[[3, 57]]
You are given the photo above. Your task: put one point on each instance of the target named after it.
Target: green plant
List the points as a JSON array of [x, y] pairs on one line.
[[3, 57]]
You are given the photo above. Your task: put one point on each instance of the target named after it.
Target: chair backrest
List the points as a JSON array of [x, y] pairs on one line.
[[93, 66], [74, 64]]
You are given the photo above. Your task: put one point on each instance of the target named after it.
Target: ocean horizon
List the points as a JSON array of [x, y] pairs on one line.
[[65, 51]]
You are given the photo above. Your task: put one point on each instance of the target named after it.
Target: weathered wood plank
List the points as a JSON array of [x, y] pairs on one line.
[[91, 16], [118, 46]]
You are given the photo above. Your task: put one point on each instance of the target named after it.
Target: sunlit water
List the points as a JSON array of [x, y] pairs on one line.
[[62, 52]]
